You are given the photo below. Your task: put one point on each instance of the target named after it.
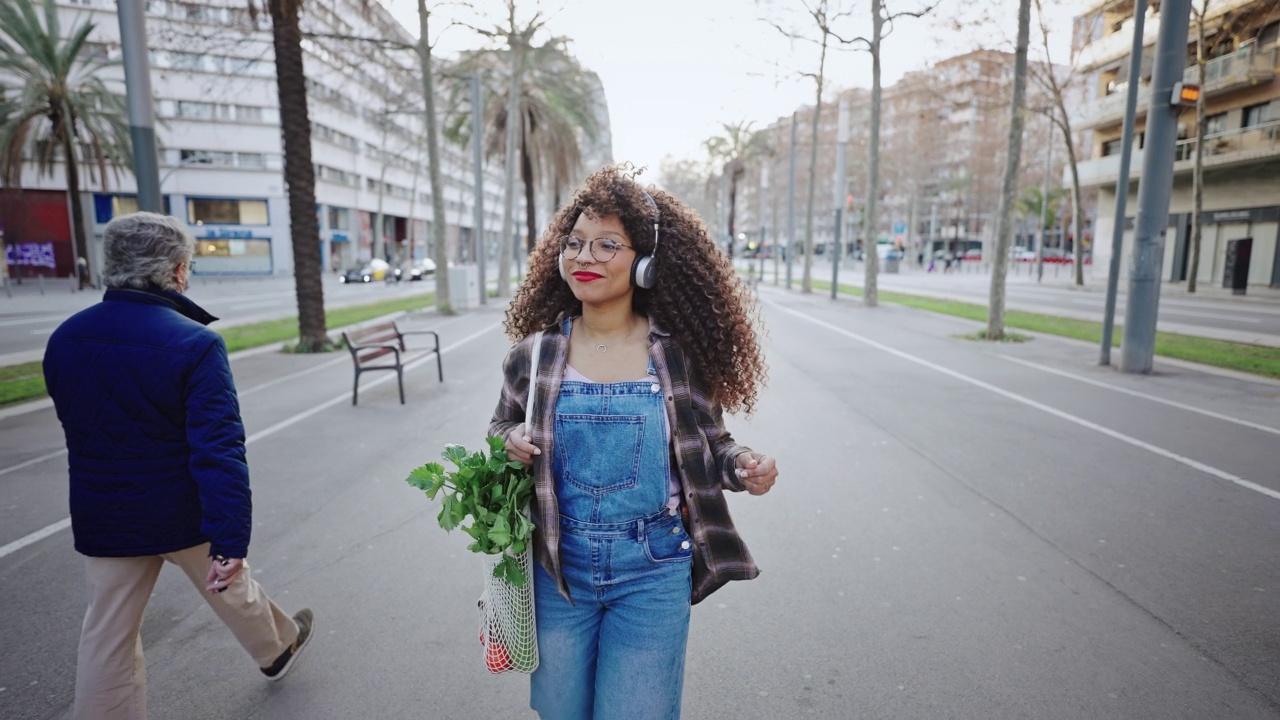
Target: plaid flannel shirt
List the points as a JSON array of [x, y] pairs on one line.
[[705, 455]]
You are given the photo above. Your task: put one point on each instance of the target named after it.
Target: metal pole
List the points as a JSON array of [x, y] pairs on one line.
[[1122, 180], [1154, 188], [842, 139], [142, 122], [477, 162], [1044, 206], [791, 202], [926, 256]]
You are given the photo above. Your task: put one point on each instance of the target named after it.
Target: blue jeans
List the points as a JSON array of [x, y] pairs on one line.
[[618, 650]]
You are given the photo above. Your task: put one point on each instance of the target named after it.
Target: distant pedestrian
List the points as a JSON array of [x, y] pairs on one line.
[[649, 336], [157, 463]]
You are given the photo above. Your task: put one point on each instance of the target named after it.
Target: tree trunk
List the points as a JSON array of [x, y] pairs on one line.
[[299, 174], [1197, 173], [1013, 158], [77, 208], [732, 170], [509, 180], [526, 176], [806, 280], [441, 248], [1077, 195], [870, 228]]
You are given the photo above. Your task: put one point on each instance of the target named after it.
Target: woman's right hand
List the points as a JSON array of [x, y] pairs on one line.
[[519, 445]]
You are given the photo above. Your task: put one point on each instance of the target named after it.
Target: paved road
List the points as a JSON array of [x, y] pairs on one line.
[[28, 317], [1251, 319], [960, 530]]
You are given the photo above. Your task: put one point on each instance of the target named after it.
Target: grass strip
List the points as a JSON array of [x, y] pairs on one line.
[[19, 383], [243, 337], [1241, 357]]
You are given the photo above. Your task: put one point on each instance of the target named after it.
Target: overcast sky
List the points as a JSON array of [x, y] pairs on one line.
[[674, 70]]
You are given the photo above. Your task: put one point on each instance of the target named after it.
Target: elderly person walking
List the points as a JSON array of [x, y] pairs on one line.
[[157, 464]]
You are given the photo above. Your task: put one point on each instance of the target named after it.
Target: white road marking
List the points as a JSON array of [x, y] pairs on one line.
[[35, 537], [32, 320], [33, 461], [1152, 398], [65, 523], [291, 376], [1182, 459]]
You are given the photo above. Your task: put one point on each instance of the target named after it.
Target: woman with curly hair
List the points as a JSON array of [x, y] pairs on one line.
[[646, 336]]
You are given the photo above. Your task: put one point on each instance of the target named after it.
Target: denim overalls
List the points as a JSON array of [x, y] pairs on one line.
[[618, 650]]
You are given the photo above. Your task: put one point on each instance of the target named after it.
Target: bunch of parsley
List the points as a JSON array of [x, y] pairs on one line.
[[494, 492]]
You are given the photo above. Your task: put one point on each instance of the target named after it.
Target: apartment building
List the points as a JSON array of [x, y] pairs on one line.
[[1241, 189], [218, 126], [943, 140]]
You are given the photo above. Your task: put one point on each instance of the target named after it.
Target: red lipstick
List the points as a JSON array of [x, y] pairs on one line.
[[585, 277]]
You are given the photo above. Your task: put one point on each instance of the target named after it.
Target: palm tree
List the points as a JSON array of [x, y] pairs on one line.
[[1029, 206], [556, 117], [299, 173], [61, 105], [733, 149]]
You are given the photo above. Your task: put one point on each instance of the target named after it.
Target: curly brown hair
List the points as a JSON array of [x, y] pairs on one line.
[[697, 297]]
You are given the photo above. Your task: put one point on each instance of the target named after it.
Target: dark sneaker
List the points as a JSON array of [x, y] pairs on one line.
[[306, 623]]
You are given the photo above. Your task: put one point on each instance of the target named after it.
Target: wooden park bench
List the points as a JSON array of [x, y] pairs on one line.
[[381, 347]]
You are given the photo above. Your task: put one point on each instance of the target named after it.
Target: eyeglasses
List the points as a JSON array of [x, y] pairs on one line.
[[602, 249]]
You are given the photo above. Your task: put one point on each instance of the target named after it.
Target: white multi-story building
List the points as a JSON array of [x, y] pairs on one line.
[[221, 163]]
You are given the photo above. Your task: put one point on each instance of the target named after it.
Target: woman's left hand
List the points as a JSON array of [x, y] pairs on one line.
[[757, 471]]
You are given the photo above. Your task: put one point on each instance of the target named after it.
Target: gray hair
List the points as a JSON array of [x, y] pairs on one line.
[[143, 249]]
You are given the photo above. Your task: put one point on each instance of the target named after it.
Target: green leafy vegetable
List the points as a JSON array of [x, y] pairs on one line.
[[492, 491]]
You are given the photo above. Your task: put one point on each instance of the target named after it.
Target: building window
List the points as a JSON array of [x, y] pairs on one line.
[[1269, 34], [1215, 124], [339, 218], [246, 113], [253, 161], [1256, 115], [196, 110], [223, 211]]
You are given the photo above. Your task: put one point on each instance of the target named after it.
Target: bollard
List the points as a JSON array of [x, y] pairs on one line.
[[40, 282]]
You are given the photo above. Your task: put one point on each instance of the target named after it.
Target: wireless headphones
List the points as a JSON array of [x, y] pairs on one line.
[[644, 273]]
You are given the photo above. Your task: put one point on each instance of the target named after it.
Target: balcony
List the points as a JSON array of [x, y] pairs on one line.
[[1241, 69], [1246, 146]]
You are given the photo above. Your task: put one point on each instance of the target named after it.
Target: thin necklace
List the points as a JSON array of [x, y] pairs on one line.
[[603, 348]]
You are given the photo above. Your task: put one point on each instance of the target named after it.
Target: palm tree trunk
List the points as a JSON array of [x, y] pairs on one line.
[[509, 178], [440, 246], [870, 296], [77, 208], [526, 176], [1013, 157], [299, 173]]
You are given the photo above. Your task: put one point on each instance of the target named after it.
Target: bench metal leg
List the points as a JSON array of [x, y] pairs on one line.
[[355, 389], [400, 381], [439, 363]]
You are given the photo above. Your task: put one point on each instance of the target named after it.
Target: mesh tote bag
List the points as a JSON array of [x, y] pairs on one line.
[[508, 628]]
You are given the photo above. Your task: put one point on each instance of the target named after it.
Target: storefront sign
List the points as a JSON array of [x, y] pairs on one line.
[[31, 254], [223, 234]]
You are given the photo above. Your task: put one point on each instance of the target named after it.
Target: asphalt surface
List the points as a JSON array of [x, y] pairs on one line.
[[1211, 312], [960, 530], [28, 316]]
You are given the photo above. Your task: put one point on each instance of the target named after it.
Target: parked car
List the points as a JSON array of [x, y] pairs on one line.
[[417, 270], [1024, 255], [973, 255], [373, 270]]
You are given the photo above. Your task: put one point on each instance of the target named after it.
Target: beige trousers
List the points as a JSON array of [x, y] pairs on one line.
[[111, 681]]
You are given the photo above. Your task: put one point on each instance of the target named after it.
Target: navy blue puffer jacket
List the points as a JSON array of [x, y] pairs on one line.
[[155, 442]]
